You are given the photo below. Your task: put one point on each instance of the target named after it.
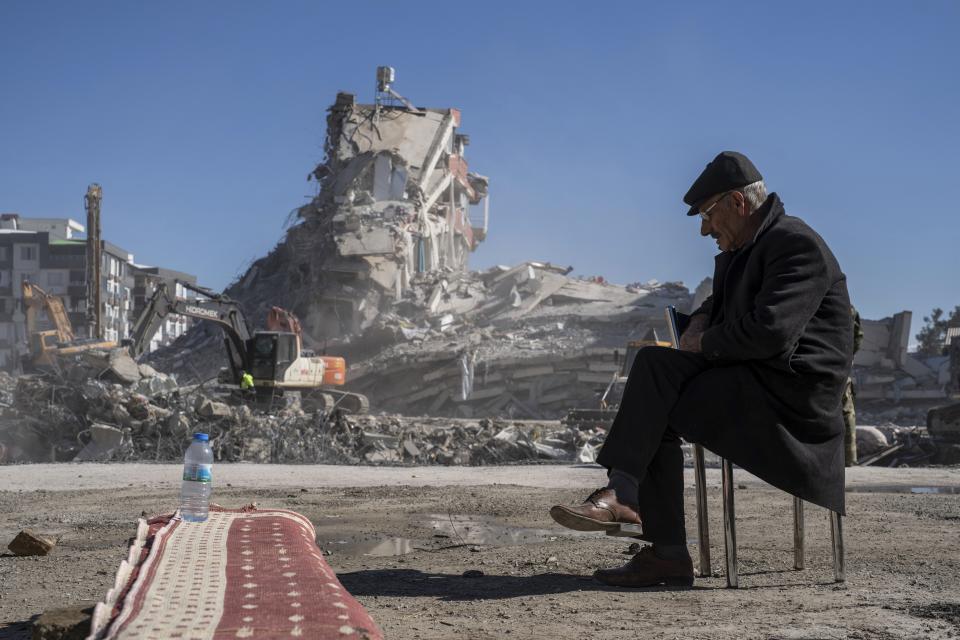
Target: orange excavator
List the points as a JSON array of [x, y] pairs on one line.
[[275, 358], [46, 346]]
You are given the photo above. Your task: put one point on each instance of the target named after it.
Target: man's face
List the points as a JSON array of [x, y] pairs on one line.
[[725, 222]]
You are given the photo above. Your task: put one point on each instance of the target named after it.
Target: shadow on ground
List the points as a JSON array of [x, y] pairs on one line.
[[451, 587], [18, 630]]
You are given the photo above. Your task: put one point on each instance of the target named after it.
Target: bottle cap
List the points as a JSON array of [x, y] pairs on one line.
[[202, 437]]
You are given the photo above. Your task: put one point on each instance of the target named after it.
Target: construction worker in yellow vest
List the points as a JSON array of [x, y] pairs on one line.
[[246, 382]]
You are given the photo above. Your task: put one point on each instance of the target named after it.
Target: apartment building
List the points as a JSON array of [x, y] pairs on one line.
[[51, 253]]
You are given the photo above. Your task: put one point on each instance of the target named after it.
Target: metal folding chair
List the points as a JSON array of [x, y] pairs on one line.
[[730, 525]]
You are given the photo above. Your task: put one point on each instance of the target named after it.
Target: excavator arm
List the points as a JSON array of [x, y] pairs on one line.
[[33, 297], [216, 308]]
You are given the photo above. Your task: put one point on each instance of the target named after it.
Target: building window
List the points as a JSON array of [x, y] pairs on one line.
[[3, 254], [4, 278], [55, 278], [28, 252]]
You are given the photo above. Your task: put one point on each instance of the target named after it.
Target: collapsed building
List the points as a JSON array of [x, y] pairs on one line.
[[376, 267], [394, 201], [892, 384]]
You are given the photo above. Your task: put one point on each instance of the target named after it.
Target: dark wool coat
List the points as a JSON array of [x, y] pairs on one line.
[[781, 339]]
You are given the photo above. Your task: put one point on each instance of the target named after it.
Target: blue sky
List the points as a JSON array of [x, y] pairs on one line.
[[202, 120]]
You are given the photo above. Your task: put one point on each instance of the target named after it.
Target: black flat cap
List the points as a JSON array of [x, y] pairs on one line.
[[729, 170]]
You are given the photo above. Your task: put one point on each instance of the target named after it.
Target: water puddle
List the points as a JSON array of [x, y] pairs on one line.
[[449, 531], [379, 547], [935, 490], [897, 488], [486, 531]]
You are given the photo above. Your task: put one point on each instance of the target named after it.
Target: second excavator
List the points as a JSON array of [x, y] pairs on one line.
[[45, 347]]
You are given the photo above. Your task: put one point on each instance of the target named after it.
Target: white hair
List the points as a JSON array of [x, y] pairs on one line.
[[755, 194]]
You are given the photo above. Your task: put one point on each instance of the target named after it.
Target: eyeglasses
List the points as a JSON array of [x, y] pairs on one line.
[[706, 214]]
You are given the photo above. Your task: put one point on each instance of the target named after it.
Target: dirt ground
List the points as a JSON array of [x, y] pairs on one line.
[[449, 554]]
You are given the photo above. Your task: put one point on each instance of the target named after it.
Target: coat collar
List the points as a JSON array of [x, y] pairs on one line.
[[771, 210]]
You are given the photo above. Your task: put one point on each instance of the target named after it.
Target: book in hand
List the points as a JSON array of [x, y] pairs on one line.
[[677, 323]]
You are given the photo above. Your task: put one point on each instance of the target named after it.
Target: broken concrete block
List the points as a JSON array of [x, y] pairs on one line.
[[123, 367], [146, 371], [444, 322], [28, 543], [104, 440], [69, 623], [178, 423], [210, 409], [156, 385], [870, 440], [546, 451], [587, 454]]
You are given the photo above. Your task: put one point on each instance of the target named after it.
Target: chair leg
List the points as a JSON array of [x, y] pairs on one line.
[[703, 525], [798, 559], [729, 525], [836, 536]]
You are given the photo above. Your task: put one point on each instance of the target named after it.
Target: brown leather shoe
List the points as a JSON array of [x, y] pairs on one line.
[[600, 512], [647, 570]]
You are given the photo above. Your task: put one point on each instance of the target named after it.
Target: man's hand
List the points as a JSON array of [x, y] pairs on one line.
[[690, 340]]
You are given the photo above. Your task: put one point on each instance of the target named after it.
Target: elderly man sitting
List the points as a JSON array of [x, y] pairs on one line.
[[757, 380]]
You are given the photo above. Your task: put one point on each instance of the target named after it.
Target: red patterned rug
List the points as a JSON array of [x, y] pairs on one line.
[[244, 573]]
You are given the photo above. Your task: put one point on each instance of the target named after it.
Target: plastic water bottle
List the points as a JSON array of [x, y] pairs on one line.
[[197, 480]]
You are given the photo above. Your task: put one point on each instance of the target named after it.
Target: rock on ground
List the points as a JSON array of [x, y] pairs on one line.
[[28, 543]]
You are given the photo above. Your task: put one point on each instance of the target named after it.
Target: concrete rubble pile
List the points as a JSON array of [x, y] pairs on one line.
[[895, 446], [895, 392], [375, 266], [90, 408], [893, 386], [534, 344], [96, 409]]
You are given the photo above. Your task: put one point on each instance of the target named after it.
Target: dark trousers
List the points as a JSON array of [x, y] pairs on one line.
[[645, 443]]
